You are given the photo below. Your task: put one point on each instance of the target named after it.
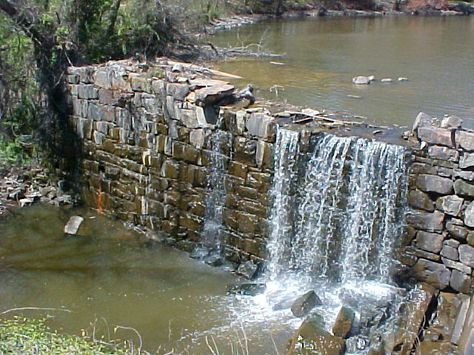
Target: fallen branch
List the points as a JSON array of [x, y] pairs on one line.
[[35, 309]]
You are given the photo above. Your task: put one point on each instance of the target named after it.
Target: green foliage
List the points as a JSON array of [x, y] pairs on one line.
[[12, 153], [30, 336]]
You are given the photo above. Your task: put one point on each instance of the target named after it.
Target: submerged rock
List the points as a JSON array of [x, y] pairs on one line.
[[72, 226], [343, 325], [305, 303], [214, 260], [246, 289], [199, 252]]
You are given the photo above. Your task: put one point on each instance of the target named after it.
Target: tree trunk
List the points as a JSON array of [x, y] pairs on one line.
[[52, 62]]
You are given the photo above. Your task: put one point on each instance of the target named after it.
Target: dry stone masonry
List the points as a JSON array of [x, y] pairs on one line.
[[440, 232], [147, 151], [149, 136]]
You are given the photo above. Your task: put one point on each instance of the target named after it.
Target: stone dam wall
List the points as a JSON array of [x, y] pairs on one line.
[[149, 158], [439, 243]]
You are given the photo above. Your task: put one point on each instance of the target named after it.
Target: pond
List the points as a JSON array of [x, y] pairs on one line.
[[109, 276], [322, 55]]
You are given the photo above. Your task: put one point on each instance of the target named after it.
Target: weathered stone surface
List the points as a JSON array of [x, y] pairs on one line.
[[465, 140], [463, 188], [419, 199], [177, 91], [436, 184], [460, 281], [431, 222], [433, 273], [456, 229], [469, 215], [312, 337], [72, 226], [412, 318], [434, 135], [461, 318], [450, 252], [261, 125], [197, 138], [248, 270], [465, 175], [467, 161], [466, 254], [456, 265], [343, 324], [422, 119], [450, 204], [305, 303], [213, 94], [431, 242], [443, 153], [451, 122]]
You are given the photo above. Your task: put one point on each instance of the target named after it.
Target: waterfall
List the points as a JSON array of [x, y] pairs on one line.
[[337, 210], [215, 198], [286, 155]]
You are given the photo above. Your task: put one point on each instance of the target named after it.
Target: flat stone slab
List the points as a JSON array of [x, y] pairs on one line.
[[72, 226]]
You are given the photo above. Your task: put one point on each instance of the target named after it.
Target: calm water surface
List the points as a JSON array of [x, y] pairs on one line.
[[108, 277], [323, 54]]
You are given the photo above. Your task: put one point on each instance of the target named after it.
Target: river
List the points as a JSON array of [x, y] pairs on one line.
[[322, 55]]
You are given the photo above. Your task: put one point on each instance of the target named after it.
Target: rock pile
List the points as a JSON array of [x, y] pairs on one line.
[[24, 186]]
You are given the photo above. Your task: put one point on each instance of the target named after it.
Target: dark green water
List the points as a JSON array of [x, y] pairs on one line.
[[323, 54], [110, 277]]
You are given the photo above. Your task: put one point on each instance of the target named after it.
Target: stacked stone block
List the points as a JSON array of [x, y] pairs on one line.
[[146, 151], [439, 244]]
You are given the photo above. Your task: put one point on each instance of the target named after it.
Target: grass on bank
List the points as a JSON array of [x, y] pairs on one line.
[[32, 336]]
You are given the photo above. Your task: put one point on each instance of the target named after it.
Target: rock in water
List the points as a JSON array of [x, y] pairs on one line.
[[312, 338], [246, 289], [361, 80], [73, 225], [305, 303], [343, 325], [248, 270]]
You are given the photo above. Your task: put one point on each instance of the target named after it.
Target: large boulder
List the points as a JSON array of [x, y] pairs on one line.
[[305, 303]]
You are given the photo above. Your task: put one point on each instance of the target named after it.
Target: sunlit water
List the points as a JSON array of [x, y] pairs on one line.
[[323, 54]]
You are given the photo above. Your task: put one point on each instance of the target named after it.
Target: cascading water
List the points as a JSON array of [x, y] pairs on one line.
[[215, 198], [336, 210]]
